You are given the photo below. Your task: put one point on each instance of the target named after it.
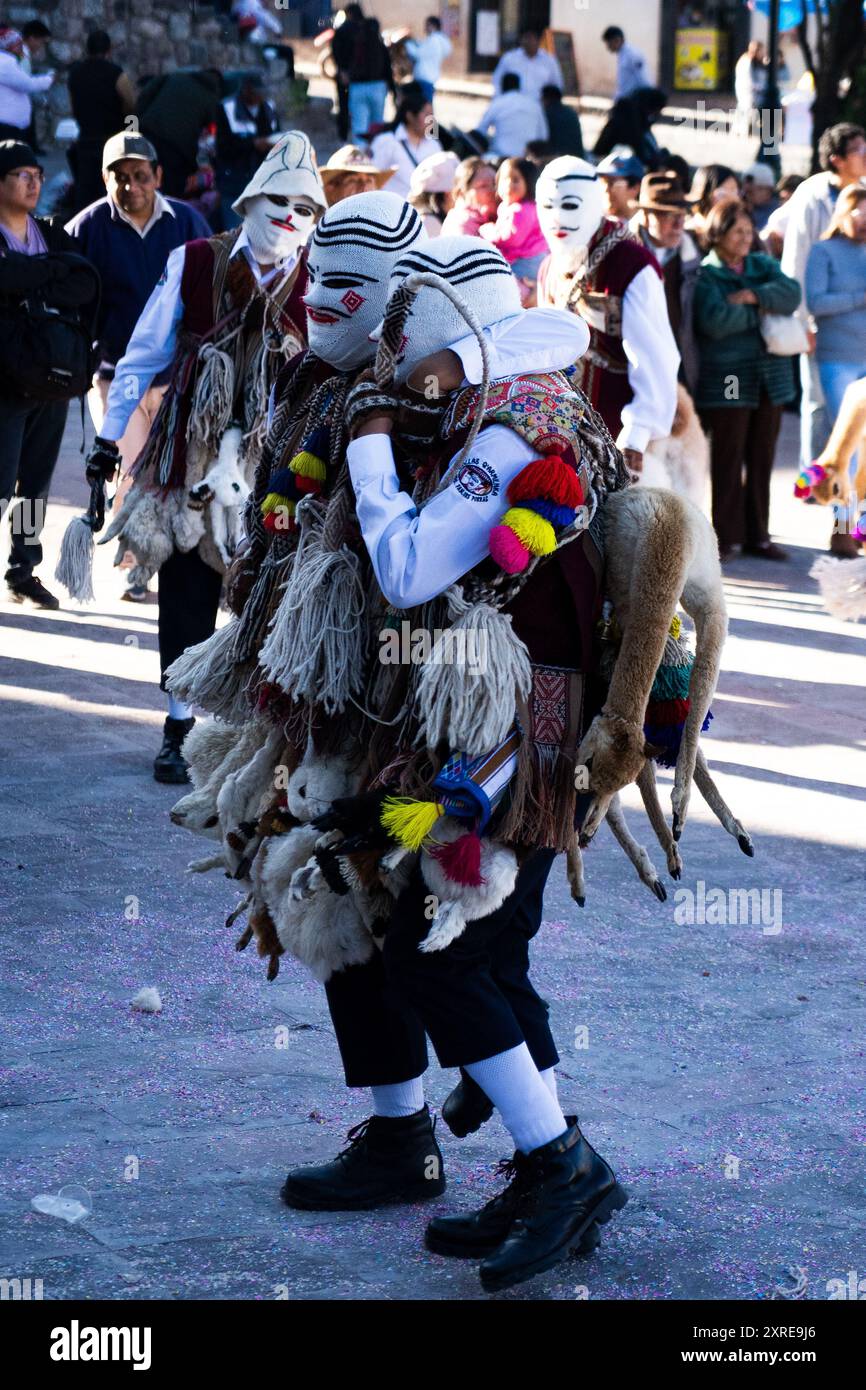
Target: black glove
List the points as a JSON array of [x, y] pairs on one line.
[[103, 461]]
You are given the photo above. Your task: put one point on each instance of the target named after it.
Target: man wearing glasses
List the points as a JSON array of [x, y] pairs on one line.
[[31, 429], [128, 235]]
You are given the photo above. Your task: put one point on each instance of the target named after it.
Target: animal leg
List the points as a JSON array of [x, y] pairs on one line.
[[705, 604], [636, 853], [719, 807], [650, 796], [574, 870]]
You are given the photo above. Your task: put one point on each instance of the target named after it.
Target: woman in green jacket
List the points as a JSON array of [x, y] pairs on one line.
[[741, 386]]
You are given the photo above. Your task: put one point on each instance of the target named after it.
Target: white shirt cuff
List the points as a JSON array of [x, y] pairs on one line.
[[635, 437]]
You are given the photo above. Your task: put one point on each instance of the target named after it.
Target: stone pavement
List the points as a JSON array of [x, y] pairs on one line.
[[719, 1066]]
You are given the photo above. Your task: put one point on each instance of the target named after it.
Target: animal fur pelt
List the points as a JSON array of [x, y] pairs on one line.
[[458, 904], [680, 462], [659, 550], [197, 810], [843, 586]]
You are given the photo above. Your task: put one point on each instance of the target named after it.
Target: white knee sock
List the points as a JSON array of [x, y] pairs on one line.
[[404, 1098], [177, 709], [529, 1110], [548, 1076]]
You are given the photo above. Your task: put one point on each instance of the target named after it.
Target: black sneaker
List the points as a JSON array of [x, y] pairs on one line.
[[33, 589], [467, 1108], [385, 1162], [568, 1186], [168, 765]]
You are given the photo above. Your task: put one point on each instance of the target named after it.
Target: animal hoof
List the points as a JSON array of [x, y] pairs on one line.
[[746, 845], [580, 902], [660, 891], [676, 829], [273, 967], [676, 873], [243, 869]]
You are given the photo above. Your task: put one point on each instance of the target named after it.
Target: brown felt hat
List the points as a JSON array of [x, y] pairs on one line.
[[662, 193]]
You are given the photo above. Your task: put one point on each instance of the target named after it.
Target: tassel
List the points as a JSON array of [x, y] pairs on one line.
[[281, 516], [206, 674], [536, 534], [667, 711], [671, 683], [211, 408], [508, 550], [314, 649], [75, 565], [676, 627], [409, 822], [307, 465], [461, 860], [547, 477], [468, 698]]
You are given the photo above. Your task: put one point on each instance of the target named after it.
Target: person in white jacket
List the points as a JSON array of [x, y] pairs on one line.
[[428, 55], [17, 87]]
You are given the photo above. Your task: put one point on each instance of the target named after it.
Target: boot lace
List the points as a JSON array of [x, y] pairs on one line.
[[357, 1137]]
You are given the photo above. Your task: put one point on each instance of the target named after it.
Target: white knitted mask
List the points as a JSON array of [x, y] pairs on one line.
[[282, 200], [277, 226], [351, 257], [569, 196], [481, 276]]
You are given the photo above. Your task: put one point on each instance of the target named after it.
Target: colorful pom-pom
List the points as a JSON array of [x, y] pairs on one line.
[[808, 479], [461, 860], [676, 626], [536, 534], [280, 516], [548, 477], [508, 551], [283, 482], [551, 511], [308, 465], [319, 442], [668, 711], [409, 822], [307, 485]]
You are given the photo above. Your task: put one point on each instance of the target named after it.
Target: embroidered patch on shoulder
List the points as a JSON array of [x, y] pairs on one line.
[[477, 481]]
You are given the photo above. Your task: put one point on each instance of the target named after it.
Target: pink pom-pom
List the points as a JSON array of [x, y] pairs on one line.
[[508, 550], [461, 860]]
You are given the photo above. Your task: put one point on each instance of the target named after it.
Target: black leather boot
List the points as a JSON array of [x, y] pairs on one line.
[[568, 1187], [467, 1108], [168, 765], [386, 1161], [479, 1233]]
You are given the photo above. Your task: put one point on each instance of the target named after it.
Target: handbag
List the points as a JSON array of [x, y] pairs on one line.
[[784, 335]]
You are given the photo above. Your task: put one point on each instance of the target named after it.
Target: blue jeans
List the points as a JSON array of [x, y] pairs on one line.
[[835, 377], [814, 424], [366, 108]]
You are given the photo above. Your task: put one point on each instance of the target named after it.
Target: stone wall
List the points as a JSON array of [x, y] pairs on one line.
[[149, 37]]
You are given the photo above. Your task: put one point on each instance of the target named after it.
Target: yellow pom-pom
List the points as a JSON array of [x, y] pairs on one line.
[[537, 534], [676, 626], [274, 500], [309, 466], [409, 822]]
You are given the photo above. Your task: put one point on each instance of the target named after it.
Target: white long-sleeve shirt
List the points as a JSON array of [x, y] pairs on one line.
[[631, 71], [653, 362], [394, 150], [541, 71], [16, 86], [428, 55], [807, 215], [416, 555], [516, 119], [153, 343]]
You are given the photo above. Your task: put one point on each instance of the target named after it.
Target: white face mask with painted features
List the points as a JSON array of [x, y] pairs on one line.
[[282, 200], [352, 254], [481, 276], [278, 226], [570, 200]]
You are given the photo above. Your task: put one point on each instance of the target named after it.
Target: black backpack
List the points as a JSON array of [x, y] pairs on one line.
[[47, 334]]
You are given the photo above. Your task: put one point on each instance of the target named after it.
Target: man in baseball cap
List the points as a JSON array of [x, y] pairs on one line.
[[128, 236], [621, 172]]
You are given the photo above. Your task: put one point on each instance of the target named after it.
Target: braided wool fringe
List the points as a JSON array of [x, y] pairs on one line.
[[207, 675], [213, 397], [315, 645], [469, 697]]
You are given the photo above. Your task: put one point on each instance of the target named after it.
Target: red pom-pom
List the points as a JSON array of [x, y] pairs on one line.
[[305, 484], [461, 860], [667, 711], [548, 477], [508, 550]]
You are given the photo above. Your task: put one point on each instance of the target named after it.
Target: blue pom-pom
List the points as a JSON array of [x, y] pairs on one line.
[[551, 511], [318, 443], [285, 483]]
